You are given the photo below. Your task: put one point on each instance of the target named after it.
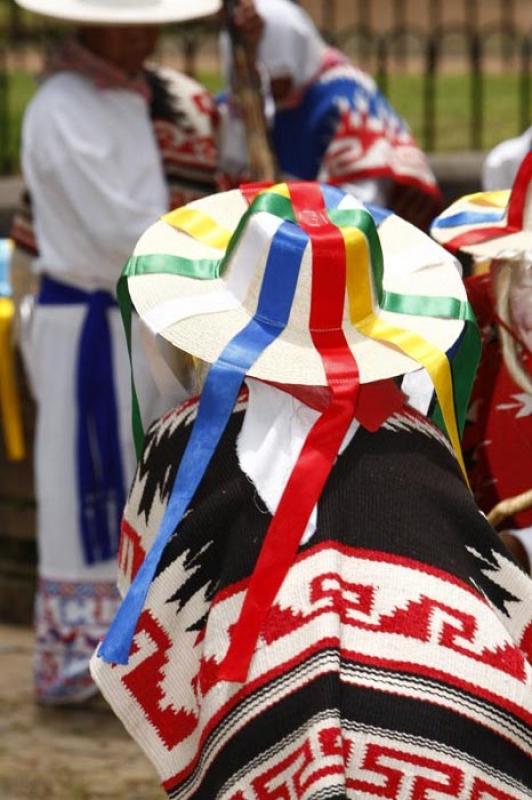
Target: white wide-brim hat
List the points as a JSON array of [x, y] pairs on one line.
[[486, 224], [122, 12], [202, 316], [280, 284]]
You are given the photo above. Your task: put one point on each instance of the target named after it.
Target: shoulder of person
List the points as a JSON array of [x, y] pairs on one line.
[[178, 83], [61, 99], [61, 90]]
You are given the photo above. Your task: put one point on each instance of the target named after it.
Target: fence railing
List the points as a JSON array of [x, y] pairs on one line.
[[417, 41]]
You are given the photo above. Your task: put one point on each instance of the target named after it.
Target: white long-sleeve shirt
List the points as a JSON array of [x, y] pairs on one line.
[[94, 173]]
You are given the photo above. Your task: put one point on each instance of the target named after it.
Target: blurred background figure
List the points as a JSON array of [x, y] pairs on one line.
[[495, 228], [108, 145], [501, 164], [329, 121]]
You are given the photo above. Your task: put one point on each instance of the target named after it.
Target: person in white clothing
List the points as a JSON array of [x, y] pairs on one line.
[[328, 120], [501, 164], [94, 171]]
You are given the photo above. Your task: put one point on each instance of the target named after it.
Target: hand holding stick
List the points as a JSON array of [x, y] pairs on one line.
[[245, 28]]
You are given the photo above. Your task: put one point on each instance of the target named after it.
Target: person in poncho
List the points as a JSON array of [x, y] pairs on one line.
[[495, 229], [314, 606], [329, 120], [107, 147]]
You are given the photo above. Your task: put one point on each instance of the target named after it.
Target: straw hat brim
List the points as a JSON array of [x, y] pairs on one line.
[[413, 264], [493, 247], [134, 12]]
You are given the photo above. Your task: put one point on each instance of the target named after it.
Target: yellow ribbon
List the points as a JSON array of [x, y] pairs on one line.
[[10, 411], [499, 199], [411, 344], [200, 226], [205, 229]]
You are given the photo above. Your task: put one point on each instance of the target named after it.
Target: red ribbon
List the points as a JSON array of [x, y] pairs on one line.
[[321, 446], [251, 190]]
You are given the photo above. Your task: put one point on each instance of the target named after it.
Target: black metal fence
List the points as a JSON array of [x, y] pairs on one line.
[[428, 39]]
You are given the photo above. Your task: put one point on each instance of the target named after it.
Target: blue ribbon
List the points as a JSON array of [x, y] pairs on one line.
[[379, 214], [216, 405], [100, 476], [333, 196], [468, 218], [5, 260]]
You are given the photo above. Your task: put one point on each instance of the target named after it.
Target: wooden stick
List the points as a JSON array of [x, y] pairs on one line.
[[247, 88], [509, 507]]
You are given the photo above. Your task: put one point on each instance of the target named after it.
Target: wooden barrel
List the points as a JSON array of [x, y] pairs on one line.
[[18, 552]]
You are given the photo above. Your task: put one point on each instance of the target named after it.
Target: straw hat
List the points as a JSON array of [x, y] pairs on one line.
[[487, 223], [202, 316], [122, 12]]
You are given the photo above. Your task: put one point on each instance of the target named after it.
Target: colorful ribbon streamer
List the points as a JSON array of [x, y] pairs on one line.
[[321, 446], [217, 401], [346, 255]]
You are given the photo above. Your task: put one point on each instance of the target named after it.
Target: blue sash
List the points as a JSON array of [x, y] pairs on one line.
[[100, 475]]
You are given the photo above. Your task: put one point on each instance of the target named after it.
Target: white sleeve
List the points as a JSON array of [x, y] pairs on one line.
[[501, 164], [101, 172]]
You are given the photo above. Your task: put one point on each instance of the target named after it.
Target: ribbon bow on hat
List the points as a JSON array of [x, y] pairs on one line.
[[291, 284]]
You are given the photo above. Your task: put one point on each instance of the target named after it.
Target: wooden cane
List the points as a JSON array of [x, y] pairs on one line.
[[247, 88], [509, 507]]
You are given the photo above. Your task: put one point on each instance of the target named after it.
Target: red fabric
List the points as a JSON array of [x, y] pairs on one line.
[[376, 401], [323, 442], [498, 436]]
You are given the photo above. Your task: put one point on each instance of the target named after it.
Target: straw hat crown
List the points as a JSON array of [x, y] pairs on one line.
[[201, 316]]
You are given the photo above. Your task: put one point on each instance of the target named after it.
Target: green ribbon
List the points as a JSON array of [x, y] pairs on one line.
[[362, 219], [160, 264], [200, 269], [465, 362]]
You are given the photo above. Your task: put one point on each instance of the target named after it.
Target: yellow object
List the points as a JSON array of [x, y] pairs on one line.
[[200, 226], [10, 411], [499, 198], [411, 344]]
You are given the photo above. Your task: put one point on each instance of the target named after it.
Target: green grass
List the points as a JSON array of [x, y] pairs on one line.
[[452, 103], [453, 108]]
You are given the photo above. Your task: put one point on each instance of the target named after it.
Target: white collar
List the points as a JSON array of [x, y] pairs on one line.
[[275, 428]]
